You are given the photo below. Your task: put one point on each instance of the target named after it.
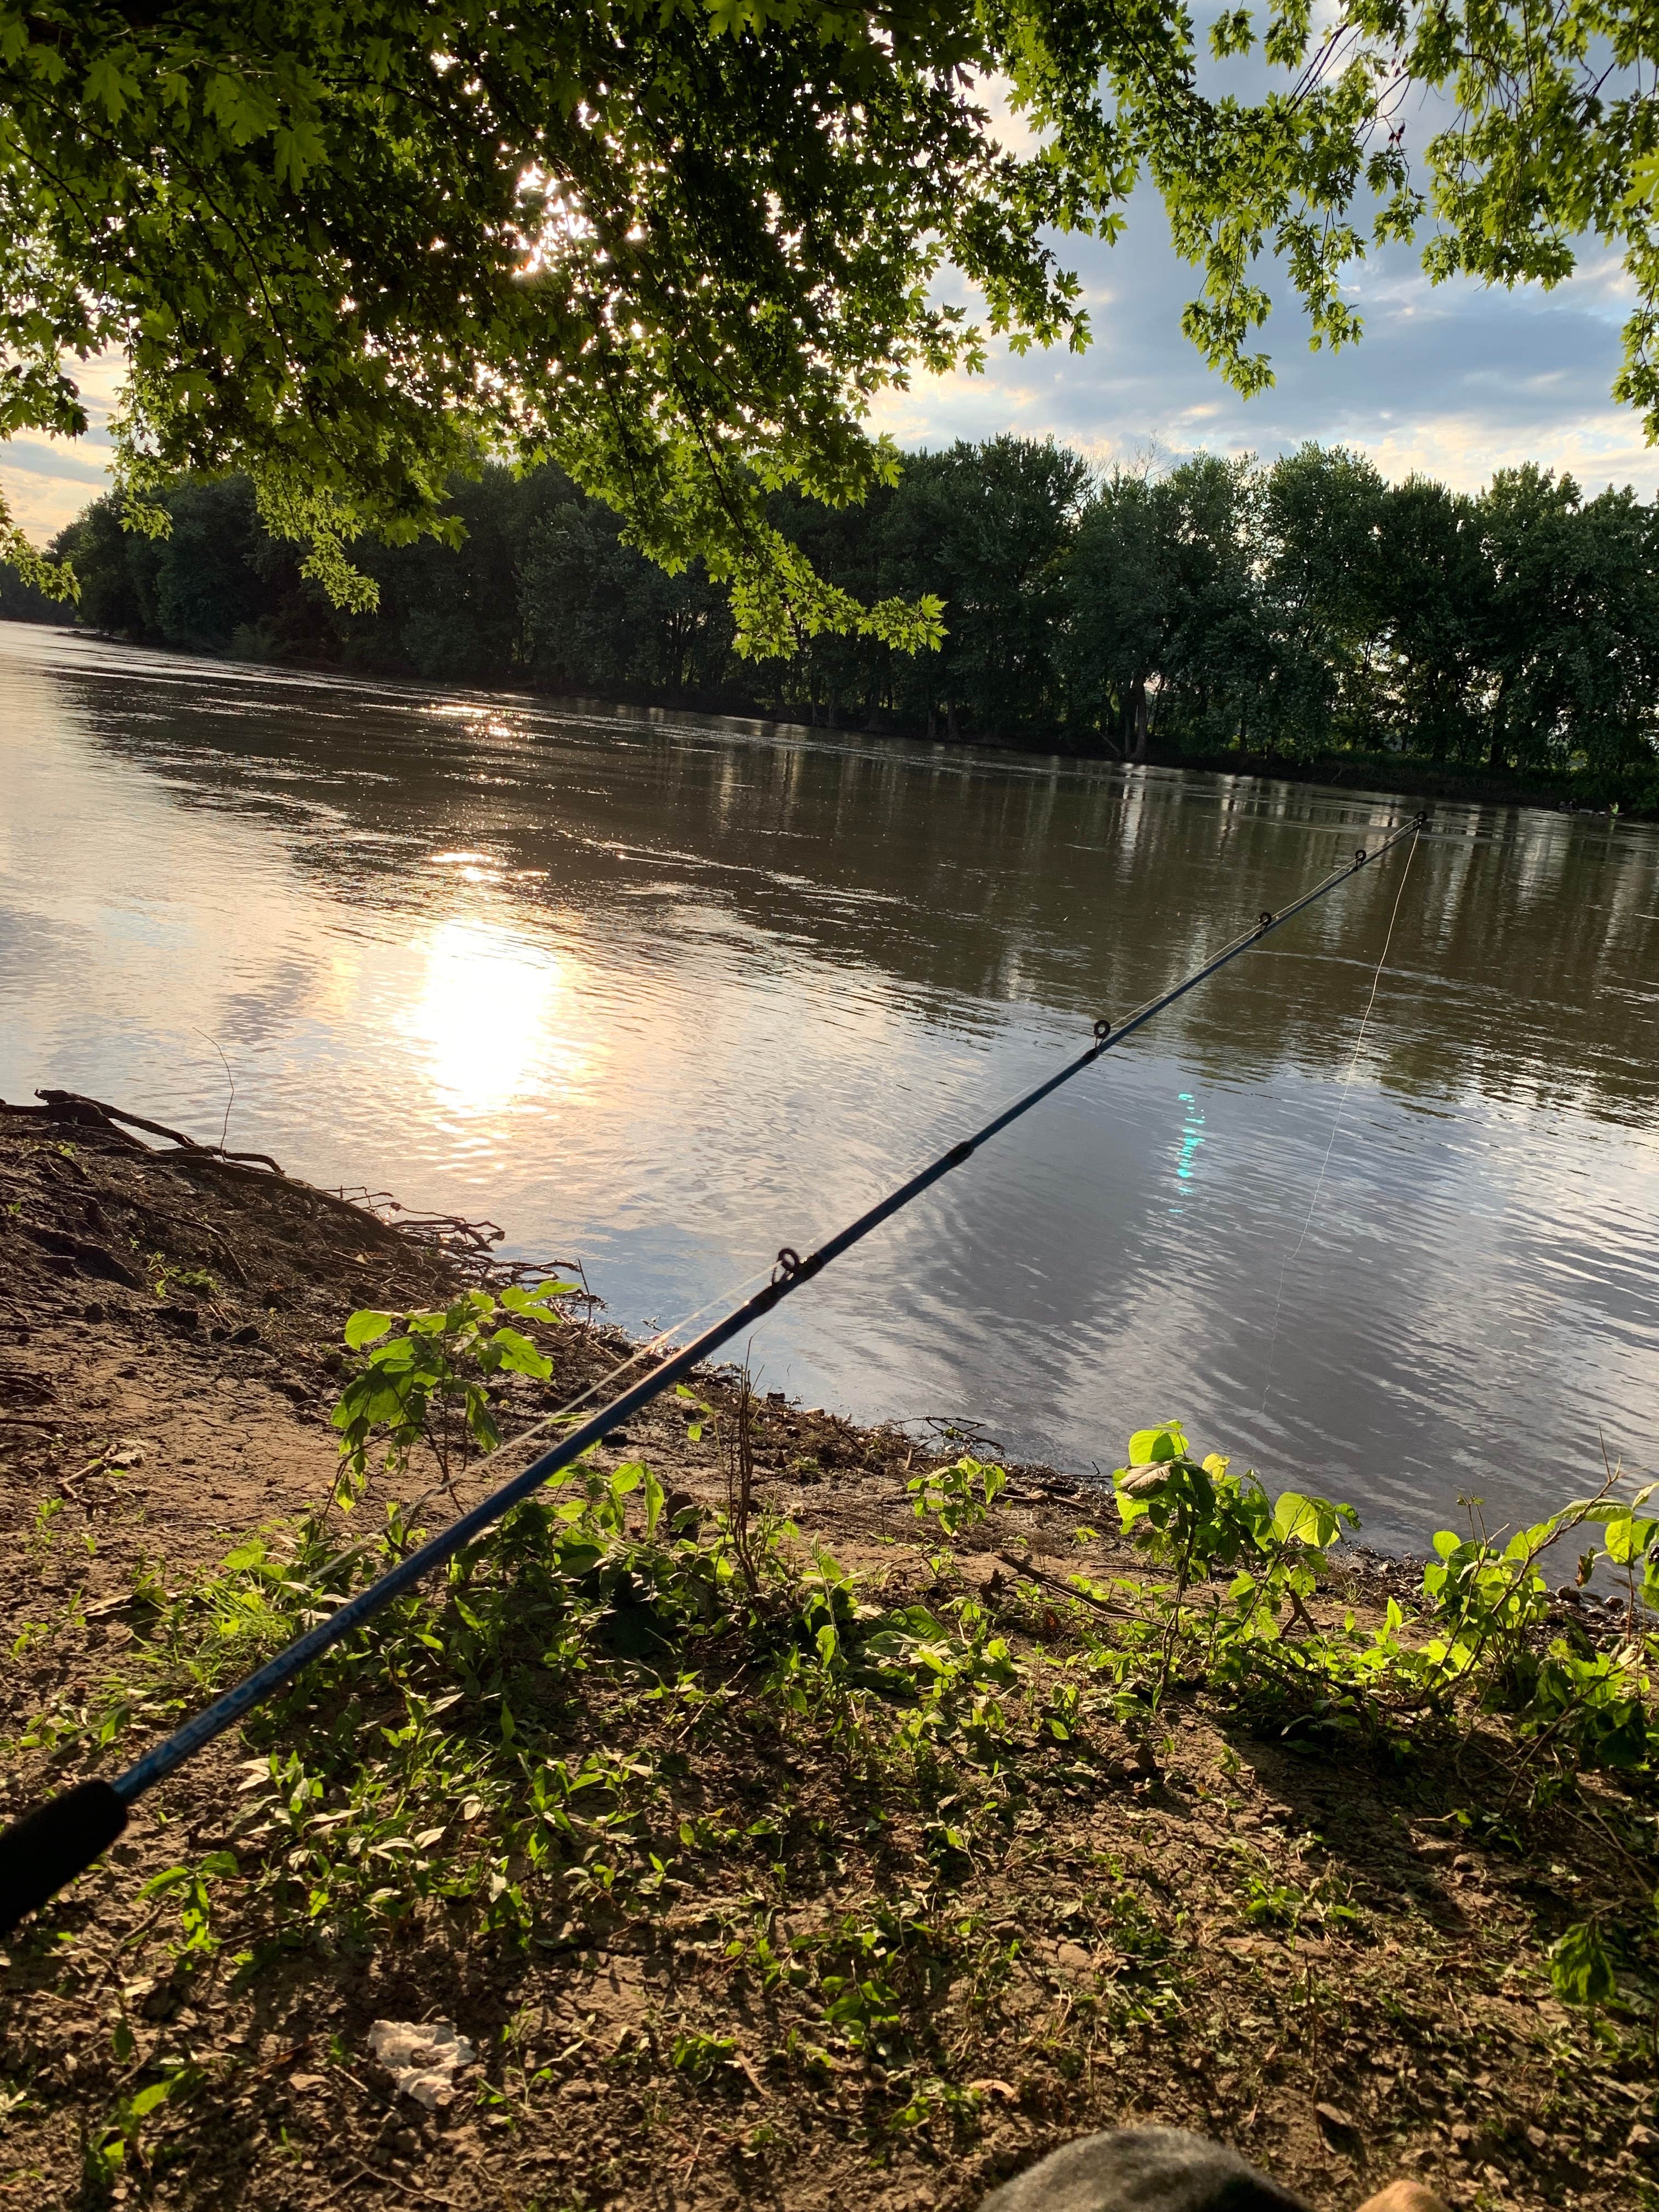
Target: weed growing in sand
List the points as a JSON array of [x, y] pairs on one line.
[[44, 1526], [957, 1497], [423, 1384], [166, 1279]]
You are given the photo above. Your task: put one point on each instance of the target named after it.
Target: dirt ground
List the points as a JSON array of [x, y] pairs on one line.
[[169, 1353]]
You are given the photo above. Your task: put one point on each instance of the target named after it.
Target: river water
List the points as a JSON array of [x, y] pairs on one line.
[[669, 992]]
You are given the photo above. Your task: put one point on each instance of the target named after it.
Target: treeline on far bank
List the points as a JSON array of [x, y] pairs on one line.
[[1224, 610]]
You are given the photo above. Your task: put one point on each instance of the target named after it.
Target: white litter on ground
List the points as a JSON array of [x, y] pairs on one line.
[[423, 2057]]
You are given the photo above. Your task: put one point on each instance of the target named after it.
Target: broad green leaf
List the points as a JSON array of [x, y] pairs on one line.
[[159, 1884], [1629, 1538], [1580, 1968], [364, 1327], [538, 1301], [1167, 1441], [520, 1355]]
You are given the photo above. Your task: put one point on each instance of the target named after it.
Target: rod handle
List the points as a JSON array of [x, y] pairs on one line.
[[51, 1845]]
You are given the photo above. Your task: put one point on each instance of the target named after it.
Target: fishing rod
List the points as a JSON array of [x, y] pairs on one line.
[[60, 1839]]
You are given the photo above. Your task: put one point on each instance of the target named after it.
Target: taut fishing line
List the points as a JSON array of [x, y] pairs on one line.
[[60, 1839], [1341, 1108]]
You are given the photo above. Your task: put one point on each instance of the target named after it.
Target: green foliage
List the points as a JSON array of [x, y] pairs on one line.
[[1580, 1969], [424, 1381], [1199, 1518], [673, 251], [958, 1496], [122, 2145], [503, 1748], [676, 250], [702, 2055]]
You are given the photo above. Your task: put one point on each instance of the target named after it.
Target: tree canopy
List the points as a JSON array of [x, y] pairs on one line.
[[676, 245]]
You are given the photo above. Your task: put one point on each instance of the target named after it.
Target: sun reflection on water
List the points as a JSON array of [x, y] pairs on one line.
[[492, 1013]]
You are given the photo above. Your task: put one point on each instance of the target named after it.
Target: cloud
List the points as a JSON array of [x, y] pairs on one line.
[[47, 481], [1454, 380], [56, 457]]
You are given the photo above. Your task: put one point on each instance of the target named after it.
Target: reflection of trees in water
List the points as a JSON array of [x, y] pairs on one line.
[[1527, 951]]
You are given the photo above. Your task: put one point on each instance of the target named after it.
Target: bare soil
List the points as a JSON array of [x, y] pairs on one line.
[[169, 1352]]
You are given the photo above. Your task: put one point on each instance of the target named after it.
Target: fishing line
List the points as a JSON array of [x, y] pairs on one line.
[[60, 1839], [1341, 1108]]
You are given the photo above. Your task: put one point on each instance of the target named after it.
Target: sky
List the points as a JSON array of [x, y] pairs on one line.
[[1453, 381]]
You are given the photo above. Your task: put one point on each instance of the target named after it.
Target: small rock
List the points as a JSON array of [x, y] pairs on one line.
[[1642, 2141], [1073, 1959], [1334, 2120], [424, 2058]]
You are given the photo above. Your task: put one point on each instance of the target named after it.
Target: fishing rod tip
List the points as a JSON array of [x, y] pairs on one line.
[[48, 1847]]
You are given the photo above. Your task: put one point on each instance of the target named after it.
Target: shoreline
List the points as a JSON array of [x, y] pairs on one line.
[[1332, 1956]]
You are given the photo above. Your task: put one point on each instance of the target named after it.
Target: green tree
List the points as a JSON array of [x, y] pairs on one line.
[[1433, 584], [1163, 626], [677, 248], [985, 530], [452, 612], [1572, 641], [598, 617], [1322, 528], [192, 588]]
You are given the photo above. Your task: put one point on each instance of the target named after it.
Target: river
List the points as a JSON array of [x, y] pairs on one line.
[[668, 993]]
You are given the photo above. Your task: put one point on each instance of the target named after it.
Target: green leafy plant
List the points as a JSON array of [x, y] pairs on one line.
[[1199, 1518], [122, 2143], [957, 1497], [424, 1381], [702, 2055], [1580, 1969]]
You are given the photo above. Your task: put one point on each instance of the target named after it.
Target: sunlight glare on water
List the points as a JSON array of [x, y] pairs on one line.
[[666, 993]]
